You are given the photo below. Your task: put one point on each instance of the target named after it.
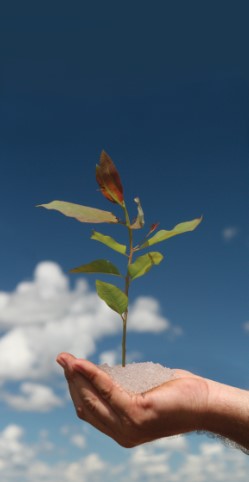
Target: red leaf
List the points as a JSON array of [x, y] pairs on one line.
[[152, 229], [108, 179]]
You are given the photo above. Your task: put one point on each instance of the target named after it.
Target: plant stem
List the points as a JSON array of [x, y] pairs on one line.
[[127, 284], [124, 318]]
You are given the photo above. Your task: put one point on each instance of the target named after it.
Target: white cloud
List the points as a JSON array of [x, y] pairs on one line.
[[43, 317], [145, 316], [246, 326], [147, 462], [76, 437], [36, 301], [78, 440], [209, 450], [230, 233], [111, 357], [176, 444], [88, 468], [33, 397], [213, 461], [13, 452]]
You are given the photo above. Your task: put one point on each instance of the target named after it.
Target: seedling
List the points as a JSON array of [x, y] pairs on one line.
[[109, 181]]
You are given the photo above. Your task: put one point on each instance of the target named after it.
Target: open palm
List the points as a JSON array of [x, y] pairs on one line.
[[174, 407]]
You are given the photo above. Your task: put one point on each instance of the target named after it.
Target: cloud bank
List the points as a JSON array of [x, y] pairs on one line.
[[211, 461], [44, 316]]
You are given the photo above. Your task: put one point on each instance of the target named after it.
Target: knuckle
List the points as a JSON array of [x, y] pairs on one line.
[[90, 404], [104, 390], [105, 393], [79, 412], [128, 444], [128, 441]]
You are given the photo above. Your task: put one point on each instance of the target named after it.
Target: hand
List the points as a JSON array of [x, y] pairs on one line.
[[175, 407]]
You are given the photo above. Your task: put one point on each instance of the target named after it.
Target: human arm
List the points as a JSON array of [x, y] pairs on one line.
[[227, 413], [185, 404]]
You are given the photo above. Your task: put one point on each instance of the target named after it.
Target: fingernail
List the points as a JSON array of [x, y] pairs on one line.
[[61, 361]]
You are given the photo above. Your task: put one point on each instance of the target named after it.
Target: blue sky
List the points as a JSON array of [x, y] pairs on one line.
[[164, 90]]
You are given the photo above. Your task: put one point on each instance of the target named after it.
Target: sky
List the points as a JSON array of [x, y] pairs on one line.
[[163, 88]]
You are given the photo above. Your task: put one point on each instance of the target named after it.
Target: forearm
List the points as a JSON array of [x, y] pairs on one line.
[[227, 413]]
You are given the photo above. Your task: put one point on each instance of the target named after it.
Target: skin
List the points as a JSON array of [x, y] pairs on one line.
[[184, 404]]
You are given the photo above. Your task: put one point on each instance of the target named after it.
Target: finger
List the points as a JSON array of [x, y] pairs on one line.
[[87, 400], [114, 395], [88, 404], [65, 359], [91, 400], [91, 407]]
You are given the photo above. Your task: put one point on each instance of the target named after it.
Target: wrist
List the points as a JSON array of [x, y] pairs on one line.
[[227, 413]]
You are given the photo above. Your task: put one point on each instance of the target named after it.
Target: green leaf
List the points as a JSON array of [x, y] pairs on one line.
[[84, 214], [143, 264], [110, 242], [97, 266], [113, 296], [178, 229]]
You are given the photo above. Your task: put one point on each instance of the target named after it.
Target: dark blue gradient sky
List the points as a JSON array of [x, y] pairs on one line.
[[163, 87]]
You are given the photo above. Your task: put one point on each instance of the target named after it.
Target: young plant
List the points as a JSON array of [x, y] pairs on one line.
[[111, 187]]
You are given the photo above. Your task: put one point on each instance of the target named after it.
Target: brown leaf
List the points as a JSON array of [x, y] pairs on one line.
[[139, 221], [108, 179]]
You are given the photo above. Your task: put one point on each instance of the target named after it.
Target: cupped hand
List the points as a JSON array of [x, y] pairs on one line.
[[175, 407]]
